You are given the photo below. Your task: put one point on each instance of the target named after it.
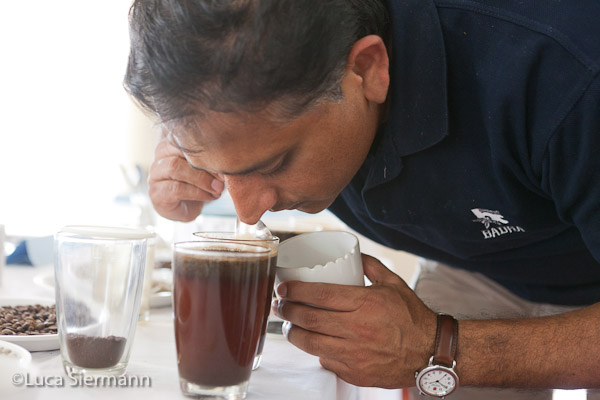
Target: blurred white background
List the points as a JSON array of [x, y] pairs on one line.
[[67, 124]]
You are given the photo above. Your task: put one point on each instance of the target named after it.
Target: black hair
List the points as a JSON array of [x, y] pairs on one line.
[[243, 55]]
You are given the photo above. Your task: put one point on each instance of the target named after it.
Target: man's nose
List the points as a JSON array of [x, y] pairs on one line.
[[251, 197]]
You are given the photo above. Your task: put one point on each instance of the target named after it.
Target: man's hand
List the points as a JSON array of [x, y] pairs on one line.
[[178, 191], [369, 336], [380, 335]]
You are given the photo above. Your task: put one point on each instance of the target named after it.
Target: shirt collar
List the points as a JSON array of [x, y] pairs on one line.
[[418, 113]]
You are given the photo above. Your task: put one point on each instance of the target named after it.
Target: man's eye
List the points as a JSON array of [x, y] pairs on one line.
[[278, 168]]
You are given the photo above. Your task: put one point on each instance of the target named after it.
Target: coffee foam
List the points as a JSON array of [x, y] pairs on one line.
[[248, 251], [220, 265]]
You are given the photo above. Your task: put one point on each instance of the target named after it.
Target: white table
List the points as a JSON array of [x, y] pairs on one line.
[[285, 372]]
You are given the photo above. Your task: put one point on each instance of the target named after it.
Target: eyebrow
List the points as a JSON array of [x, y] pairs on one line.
[[188, 151], [263, 164], [174, 142], [246, 171]]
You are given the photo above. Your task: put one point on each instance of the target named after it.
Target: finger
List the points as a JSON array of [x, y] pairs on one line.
[[325, 295], [166, 197], [310, 318], [332, 365], [164, 148], [168, 193], [315, 343], [178, 169], [185, 211], [378, 273], [341, 369], [357, 376]]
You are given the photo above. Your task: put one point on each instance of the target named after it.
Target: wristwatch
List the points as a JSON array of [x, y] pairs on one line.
[[438, 378]]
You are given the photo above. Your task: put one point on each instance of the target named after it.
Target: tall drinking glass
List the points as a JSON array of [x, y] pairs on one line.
[[98, 278], [147, 285], [219, 298], [273, 244]]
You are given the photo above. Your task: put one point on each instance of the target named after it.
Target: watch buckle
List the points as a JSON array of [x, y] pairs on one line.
[[430, 361]]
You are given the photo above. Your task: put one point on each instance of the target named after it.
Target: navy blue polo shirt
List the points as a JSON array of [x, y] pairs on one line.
[[490, 157]]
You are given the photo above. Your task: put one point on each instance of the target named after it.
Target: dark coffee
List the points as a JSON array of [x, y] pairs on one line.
[[95, 352], [263, 331], [220, 307]]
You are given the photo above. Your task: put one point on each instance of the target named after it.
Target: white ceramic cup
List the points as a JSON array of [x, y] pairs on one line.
[[324, 256]]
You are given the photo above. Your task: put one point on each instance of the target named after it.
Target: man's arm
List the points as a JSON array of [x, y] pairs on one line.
[[380, 335], [561, 351]]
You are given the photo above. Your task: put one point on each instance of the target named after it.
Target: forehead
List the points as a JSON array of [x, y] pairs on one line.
[[229, 143], [215, 130]]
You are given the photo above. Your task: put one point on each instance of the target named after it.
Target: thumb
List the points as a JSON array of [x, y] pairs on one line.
[[377, 273]]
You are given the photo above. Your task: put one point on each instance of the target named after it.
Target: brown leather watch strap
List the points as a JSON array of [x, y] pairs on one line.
[[446, 338]]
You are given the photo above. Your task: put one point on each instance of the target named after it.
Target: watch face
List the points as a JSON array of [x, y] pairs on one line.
[[437, 381]]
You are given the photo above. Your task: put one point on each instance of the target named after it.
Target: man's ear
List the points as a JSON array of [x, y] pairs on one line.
[[369, 59]]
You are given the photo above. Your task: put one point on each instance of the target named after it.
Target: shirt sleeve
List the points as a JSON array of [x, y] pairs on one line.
[[571, 167]]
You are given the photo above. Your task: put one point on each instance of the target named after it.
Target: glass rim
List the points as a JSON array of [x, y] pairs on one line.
[[190, 247], [105, 232], [206, 234]]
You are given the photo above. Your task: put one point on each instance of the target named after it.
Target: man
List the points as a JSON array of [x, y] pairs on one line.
[[467, 132]]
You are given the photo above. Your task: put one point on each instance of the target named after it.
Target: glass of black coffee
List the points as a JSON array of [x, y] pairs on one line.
[[220, 296], [272, 243]]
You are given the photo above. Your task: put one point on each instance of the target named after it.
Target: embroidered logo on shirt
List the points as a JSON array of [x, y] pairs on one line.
[[489, 218]]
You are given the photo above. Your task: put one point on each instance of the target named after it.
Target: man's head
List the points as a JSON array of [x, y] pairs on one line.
[[244, 82]]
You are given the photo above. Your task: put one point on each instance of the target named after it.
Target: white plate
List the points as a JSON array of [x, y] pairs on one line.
[[31, 342], [45, 280], [13, 360], [157, 300]]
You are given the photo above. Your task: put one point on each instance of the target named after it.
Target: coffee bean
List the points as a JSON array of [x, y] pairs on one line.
[[28, 320]]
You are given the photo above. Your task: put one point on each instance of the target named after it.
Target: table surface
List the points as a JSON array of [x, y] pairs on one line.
[[285, 372]]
